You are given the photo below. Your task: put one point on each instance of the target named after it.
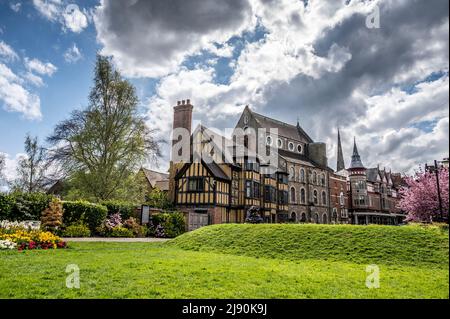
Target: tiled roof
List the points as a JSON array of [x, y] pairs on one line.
[[284, 129], [372, 174], [154, 176]]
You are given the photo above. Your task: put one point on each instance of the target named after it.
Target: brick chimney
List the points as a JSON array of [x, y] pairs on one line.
[[182, 115]]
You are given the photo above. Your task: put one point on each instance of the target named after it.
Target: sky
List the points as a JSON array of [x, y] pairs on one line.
[[378, 70]]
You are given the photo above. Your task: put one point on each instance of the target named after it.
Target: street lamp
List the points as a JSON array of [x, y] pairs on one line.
[[438, 190]]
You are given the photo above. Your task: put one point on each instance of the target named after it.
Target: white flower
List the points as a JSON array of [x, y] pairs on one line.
[[7, 244], [27, 225]]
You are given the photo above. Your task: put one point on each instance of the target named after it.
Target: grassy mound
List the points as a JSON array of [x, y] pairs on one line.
[[406, 245]]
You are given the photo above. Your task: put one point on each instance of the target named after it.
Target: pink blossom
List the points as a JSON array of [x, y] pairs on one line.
[[420, 198]]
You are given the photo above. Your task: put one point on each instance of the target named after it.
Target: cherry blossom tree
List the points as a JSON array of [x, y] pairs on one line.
[[419, 199]]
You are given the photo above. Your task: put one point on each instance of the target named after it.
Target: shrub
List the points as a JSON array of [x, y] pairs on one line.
[[51, 218], [81, 211], [6, 205], [167, 224], [132, 224], [113, 221], [120, 231], [125, 209], [158, 199], [28, 206], [76, 230]]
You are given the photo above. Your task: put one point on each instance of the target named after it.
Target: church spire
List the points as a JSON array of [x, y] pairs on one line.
[[356, 159], [340, 157]]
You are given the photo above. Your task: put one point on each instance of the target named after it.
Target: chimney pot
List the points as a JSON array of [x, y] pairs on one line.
[[188, 101], [183, 102], [178, 102]]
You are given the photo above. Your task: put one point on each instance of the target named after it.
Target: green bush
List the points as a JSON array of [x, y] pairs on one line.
[[81, 211], [125, 209], [169, 224], [6, 205], [121, 232], [132, 224], [19, 206], [76, 230]]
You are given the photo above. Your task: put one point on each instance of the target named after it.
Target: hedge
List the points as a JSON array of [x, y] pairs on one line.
[[169, 224], [125, 209], [76, 211], [23, 206]]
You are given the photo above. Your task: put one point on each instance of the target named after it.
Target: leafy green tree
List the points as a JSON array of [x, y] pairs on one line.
[[158, 199], [103, 145], [32, 169]]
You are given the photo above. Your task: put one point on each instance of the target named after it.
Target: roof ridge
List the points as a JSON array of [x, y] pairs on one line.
[[275, 120], [151, 170]]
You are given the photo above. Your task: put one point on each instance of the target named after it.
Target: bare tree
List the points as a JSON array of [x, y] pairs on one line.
[[32, 168], [2, 168]]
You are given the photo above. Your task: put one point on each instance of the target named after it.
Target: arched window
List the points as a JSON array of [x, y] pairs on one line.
[[292, 173], [302, 196], [293, 216], [246, 141], [324, 218], [323, 179], [316, 201], [324, 198], [292, 195], [303, 218], [316, 218], [315, 178], [302, 175]]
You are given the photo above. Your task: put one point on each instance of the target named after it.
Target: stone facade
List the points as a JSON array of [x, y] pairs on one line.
[[373, 193]]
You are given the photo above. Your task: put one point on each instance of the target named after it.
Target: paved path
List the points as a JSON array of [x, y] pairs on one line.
[[116, 240]]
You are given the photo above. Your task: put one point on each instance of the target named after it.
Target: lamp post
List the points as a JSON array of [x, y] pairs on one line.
[[438, 190]]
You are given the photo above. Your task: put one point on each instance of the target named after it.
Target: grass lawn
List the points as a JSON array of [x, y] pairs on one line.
[[190, 267]]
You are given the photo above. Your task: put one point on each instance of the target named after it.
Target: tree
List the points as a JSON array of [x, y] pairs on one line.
[[32, 168], [420, 197], [2, 167], [51, 218], [158, 199], [104, 144]]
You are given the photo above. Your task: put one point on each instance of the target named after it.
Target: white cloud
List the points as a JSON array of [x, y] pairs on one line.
[[7, 53], [34, 79], [68, 15], [50, 9], [15, 6], [75, 20], [10, 171], [40, 67], [152, 38], [15, 97], [72, 54]]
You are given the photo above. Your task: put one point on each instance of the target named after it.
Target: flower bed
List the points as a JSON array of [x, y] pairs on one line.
[[16, 236]]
